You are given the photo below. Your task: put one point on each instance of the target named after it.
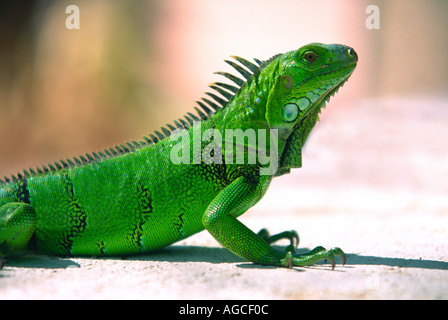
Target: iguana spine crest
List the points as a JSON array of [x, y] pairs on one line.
[[226, 90]]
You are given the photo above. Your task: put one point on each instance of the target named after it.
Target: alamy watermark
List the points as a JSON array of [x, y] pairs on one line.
[[72, 21], [373, 20], [234, 147]]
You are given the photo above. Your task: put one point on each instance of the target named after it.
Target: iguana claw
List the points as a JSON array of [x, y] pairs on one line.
[[300, 260], [320, 253], [287, 261]]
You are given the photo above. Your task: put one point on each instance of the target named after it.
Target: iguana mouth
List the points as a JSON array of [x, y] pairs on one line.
[[292, 154], [321, 102]]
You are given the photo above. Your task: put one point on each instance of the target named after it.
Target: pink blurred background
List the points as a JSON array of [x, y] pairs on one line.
[[135, 66]]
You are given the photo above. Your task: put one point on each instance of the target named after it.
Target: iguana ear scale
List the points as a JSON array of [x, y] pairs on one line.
[[280, 116], [287, 82]]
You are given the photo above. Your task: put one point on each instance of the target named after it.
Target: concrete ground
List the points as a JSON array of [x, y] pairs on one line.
[[374, 182]]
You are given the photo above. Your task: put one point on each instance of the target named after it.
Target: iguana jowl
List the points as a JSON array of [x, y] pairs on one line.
[[132, 198]]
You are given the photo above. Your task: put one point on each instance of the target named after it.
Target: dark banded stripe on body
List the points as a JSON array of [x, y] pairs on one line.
[[22, 193], [77, 218], [144, 209]]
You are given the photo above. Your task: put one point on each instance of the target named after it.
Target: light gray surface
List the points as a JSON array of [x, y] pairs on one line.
[[374, 182]]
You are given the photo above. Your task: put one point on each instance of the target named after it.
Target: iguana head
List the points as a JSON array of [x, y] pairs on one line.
[[306, 79]]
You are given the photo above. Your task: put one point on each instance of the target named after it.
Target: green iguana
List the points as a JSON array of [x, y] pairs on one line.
[[144, 195]]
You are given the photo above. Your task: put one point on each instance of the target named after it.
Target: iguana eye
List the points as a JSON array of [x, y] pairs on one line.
[[310, 56], [290, 112]]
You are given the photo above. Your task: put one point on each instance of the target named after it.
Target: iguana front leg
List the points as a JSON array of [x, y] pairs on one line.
[[220, 221]]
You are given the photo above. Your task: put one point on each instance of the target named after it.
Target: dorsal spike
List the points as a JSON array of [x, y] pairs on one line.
[[185, 124], [89, 157], [148, 140], [221, 101], [154, 138], [102, 155], [226, 86], [64, 164], [266, 62], [246, 74], [165, 131], [138, 144], [118, 150], [249, 65], [200, 113], [258, 61], [222, 92], [159, 135], [178, 125], [193, 117], [207, 110], [211, 104], [190, 121], [231, 77], [130, 145], [171, 127], [125, 149]]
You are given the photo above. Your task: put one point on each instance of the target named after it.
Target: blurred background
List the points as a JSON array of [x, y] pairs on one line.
[[375, 169], [132, 67]]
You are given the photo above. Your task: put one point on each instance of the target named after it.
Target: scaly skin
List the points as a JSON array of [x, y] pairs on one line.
[[134, 198]]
